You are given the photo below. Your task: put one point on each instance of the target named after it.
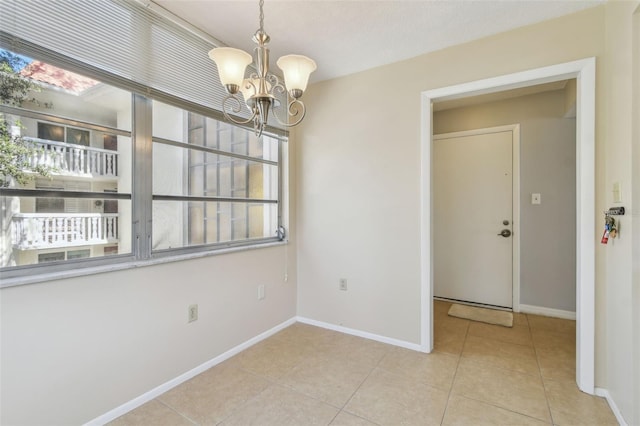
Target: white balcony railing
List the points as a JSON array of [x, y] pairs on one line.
[[49, 230], [75, 160]]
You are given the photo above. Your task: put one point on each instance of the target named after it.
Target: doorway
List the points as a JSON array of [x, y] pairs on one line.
[[584, 72], [475, 198]]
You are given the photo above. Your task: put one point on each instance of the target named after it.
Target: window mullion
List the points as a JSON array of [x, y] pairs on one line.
[[142, 170]]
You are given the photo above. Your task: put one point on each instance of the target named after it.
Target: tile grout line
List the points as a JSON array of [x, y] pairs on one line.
[[544, 388], [499, 368], [293, 389], [342, 409], [254, 397], [174, 410], [455, 374]]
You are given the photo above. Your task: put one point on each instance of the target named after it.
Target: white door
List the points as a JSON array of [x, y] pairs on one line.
[[473, 215]]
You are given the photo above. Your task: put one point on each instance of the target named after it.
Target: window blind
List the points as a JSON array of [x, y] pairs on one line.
[[141, 50]]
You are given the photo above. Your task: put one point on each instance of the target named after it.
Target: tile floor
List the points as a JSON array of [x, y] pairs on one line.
[[479, 374]]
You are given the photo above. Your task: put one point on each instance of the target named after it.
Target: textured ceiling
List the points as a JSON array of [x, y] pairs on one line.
[[345, 37]]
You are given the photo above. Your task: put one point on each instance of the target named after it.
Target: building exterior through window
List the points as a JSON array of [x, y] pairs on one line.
[[212, 183]]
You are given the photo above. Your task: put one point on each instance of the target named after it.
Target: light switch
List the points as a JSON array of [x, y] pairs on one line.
[[617, 193], [536, 199]]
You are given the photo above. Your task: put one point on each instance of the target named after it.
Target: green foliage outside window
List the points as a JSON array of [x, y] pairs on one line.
[[15, 152]]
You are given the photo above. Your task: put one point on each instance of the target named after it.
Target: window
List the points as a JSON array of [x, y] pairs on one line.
[[220, 181], [198, 184], [213, 185]]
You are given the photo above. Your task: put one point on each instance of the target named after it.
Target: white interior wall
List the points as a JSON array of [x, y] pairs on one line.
[[548, 167], [78, 348], [359, 219], [618, 126], [358, 193], [372, 151], [635, 211]]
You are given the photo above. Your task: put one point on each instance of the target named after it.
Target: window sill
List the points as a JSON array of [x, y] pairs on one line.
[[80, 272]]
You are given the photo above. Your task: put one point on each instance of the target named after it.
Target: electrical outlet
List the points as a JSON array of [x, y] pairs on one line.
[[343, 284], [193, 313], [261, 292]]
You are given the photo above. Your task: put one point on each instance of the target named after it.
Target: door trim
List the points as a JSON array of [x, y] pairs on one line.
[[584, 71], [515, 198]]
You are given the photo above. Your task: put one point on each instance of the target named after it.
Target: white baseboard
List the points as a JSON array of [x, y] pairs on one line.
[[547, 312], [148, 396], [359, 333], [606, 395]]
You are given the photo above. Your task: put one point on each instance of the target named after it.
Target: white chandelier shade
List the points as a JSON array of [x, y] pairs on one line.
[[261, 88], [231, 64], [296, 69]]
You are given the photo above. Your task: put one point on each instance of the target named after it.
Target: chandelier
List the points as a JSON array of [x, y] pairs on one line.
[[260, 90]]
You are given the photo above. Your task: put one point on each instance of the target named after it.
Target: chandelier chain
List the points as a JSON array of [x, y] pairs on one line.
[[261, 16]]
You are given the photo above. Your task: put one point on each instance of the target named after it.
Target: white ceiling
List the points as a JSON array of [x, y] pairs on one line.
[[347, 36]]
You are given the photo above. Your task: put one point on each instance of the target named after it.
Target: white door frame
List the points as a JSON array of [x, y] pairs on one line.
[[515, 198], [584, 71]]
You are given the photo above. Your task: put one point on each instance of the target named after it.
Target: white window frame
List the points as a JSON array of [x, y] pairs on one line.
[[141, 195]]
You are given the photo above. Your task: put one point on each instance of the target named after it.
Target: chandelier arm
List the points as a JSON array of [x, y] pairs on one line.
[[294, 108], [237, 106], [262, 91], [275, 83]]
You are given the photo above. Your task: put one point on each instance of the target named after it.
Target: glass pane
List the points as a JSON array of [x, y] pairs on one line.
[[182, 224], [180, 171], [179, 125], [55, 156], [36, 232]]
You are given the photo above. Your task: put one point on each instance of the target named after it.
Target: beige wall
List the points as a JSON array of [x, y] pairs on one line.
[[547, 166], [617, 122], [635, 171], [359, 179], [364, 169], [77, 348]]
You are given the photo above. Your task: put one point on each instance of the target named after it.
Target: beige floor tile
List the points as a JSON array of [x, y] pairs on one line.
[[392, 399], [453, 324], [212, 395], [552, 339], [448, 343], [569, 406], [558, 325], [514, 391], [557, 363], [441, 307], [332, 380], [449, 334], [272, 358], [518, 334], [494, 374], [501, 354], [435, 369], [280, 406], [152, 413], [465, 412], [352, 348], [305, 335], [346, 419], [520, 319]]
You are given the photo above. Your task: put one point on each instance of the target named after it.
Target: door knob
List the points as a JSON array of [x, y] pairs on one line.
[[505, 233]]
